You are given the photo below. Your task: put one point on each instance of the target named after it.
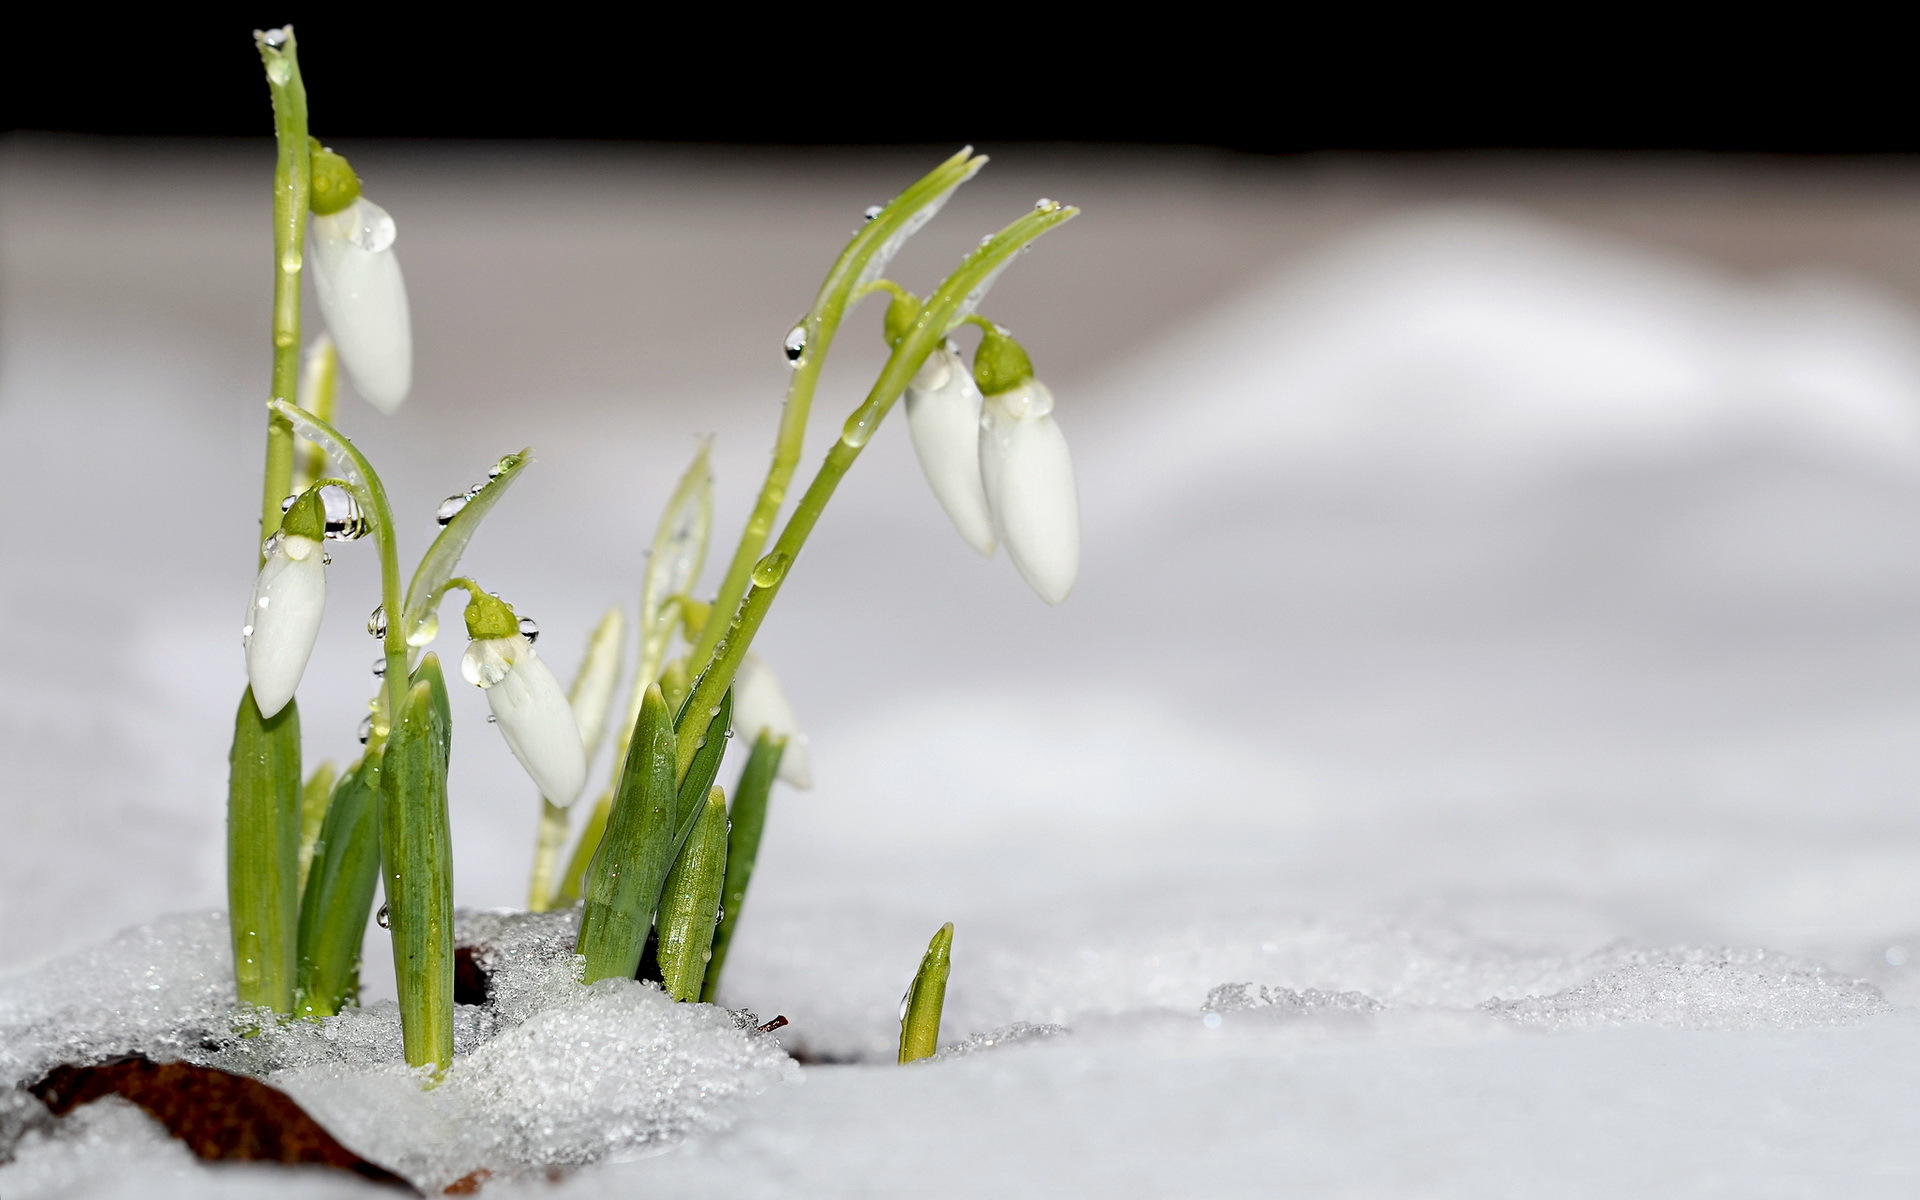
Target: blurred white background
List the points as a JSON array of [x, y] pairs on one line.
[[1526, 545]]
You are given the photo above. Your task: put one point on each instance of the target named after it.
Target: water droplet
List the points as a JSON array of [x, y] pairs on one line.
[[796, 344], [269, 546], [906, 999], [492, 720], [1211, 1020], [287, 504], [384, 918], [425, 631], [771, 569], [366, 730], [377, 621], [279, 70], [501, 468], [246, 634], [450, 508], [1896, 956], [345, 521], [859, 427], [274, 37], [290, 261], [264, 601], [326, 559], [374, 231], [380, 667], [1045, 205], [529, 629], [873, 210]]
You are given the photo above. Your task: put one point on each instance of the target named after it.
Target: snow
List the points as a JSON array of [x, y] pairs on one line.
[[1476, 761]]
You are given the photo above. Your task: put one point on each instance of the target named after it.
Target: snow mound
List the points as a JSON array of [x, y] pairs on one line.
[[1237, 997], [1693, 988], [162, 989], [548, 1074], [1018, 1033]]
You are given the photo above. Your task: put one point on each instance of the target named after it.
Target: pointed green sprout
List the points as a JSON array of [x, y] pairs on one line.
[[263, 852], [591, 696], [417, 869], [339, 893], [920, 1016], [421, 620], [292, 178], [690, 901], [749, 820]]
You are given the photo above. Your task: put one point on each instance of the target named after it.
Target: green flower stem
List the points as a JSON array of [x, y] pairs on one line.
[[879, 236], [690, 901], [748, 821], [937, 317], [920, 1027], [263, 853], [292, 179], [371, 494], [416, 857], [548, 842], [339, 893]]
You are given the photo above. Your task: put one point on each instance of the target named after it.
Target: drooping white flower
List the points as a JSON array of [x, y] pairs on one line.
[[283, 619], [1028, 473], [364, 300], [760, 704], [532, 712], [943, 417]]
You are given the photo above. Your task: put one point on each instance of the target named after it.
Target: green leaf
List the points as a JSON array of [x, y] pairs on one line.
[[263, 852], [920, 1026], [623, 884], [705, 766], [443, 557], [749, 818], [417, 875], [690, 903], [339, 894], [314, 797]]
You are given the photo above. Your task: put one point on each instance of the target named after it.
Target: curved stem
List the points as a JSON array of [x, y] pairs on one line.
[[291, 181], [951, 302], [878, 238]]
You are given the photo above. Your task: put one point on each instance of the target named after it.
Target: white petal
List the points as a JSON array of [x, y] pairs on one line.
[[943, 416], [759, 703], [289, 597], [1030, 488], [364, 300], [535, 718]]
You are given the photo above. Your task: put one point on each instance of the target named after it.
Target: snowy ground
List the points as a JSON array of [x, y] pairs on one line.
[[1502, 601]]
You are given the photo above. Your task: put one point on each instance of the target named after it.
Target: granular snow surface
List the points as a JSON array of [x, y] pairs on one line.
[[1478, 759]]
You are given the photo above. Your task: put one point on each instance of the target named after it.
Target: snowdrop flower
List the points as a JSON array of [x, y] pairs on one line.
[[759, 704], [289, 595], [1027, 469], [943, 416], [362, 295], [528, 703]]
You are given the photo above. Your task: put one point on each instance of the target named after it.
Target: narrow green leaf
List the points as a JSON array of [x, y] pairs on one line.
[[263, 852], [748, 819], [705, 766], [339, 894], [314, 797], [623, 884], [920, 1026], [417, 875], [690, 902], [443, 557]]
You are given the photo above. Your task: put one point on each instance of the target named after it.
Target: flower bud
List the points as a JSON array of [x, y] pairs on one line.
[[1028, 473], [760, 704], [529, 706], [943, 418], [333, 184], [289, 597], [364, 300]]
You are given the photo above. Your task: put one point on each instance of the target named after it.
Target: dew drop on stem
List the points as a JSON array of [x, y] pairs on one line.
[[345, 521], [377, 622], [796, 344], [873, 210], [384, 918], [771, 569], [450, 508], [529, 629], [366, 730], [380, 667]]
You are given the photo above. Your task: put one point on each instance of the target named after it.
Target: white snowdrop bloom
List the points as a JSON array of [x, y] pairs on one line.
[[532, 712], [283, 620], [759, 703], [364, 300], [1030, 488], [943, 416]]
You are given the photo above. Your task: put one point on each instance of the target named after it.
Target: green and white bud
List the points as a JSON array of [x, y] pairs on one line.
[[529, 706], [943, 418], [1027, 469], [362, 294], [289, 598]]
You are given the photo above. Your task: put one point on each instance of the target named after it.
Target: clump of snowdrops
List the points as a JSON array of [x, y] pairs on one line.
[[661, 854]]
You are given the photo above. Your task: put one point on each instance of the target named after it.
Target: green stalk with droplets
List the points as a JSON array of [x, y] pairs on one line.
[[943, 308], [417, 868], [927, 999], [292, 182], [748, 820]]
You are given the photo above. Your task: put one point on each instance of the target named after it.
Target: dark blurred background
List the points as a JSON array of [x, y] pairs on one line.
[[1279, 82]]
